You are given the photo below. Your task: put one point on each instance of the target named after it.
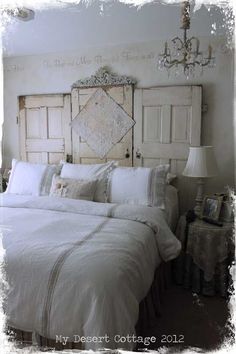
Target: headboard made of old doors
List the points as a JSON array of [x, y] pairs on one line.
[[167, 121]]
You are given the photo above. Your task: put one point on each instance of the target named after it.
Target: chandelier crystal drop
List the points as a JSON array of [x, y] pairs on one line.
[[184, 55]]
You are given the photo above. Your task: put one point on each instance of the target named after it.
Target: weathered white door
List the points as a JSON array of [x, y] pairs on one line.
[[45, 132], [168, 121], [122, 151]]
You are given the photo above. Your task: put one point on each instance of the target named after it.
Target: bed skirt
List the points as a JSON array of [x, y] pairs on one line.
[[149, 311]]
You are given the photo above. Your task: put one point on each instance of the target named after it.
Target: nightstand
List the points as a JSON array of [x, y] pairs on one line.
[[207, 252]]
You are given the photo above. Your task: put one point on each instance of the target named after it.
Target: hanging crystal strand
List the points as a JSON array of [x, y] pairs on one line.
[[186, 72], [212, 63], [201, 70], [168, 72], [191, 71], [177, 72], [200, 58], [160, 62]]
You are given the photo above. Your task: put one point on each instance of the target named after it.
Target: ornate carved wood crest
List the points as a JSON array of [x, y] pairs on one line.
[[104, 77]]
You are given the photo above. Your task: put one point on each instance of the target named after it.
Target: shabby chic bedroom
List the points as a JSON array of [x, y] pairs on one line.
[[117, 175]]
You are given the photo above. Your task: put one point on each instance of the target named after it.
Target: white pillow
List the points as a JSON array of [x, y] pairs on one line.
[[72, 188], [26, 178], [138, 185], [31, 178], [99, 172]]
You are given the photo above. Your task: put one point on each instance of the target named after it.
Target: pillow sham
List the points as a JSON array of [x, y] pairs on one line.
[[99, 172], [138, 185], [72, 188], [26, 178], [31, 178]]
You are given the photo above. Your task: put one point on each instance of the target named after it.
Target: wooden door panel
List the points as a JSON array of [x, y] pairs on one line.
[[45, 132], [55, 100], [166, 130], [33, 123], [55, 123], [123, 95], [168, 121]]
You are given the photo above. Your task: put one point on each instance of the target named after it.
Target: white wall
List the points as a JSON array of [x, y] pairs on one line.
[[65, 28], [54, 73]]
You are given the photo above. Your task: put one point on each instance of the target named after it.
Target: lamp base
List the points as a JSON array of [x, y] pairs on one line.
[[199, 197], [198, 210]]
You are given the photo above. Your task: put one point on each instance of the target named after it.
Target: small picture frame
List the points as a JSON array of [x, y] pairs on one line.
[[211, 207]]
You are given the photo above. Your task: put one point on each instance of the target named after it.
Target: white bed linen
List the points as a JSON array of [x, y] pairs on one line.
[[80, 267]]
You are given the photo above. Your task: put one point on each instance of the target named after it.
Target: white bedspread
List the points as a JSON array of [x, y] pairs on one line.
[[80, 268]]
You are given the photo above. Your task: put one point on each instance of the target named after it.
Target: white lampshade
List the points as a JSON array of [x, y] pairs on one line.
[[201, 162]]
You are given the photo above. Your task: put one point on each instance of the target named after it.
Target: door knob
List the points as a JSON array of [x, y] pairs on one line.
[[138, 154], [127, 155], [69, 158]]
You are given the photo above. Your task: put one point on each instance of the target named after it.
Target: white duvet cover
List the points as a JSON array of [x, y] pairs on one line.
[[80, 268]]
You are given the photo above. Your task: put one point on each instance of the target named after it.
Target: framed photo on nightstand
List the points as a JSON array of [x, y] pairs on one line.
[[211, 207]]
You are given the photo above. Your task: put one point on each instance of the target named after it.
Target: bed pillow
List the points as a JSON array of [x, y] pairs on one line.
[[138, 185], [100, 172], [31, 178], [72, 188], [26, 178]]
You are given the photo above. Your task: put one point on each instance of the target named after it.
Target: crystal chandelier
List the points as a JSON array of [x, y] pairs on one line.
[[185, 56]]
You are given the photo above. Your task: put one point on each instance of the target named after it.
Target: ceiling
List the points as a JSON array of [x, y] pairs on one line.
[[72, 27]]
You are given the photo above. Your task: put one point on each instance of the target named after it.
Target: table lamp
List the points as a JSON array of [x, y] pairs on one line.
[[201, 164]]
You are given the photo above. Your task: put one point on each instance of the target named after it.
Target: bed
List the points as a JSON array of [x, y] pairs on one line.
[[78, 268]]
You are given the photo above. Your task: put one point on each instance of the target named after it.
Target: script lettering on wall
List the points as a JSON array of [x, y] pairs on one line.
[[85, 60], [14, 68]]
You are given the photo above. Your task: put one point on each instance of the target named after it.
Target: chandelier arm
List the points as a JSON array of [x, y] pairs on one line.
[[176, 40], [198, 63], [206, 63], [197, 43], [170, 64]]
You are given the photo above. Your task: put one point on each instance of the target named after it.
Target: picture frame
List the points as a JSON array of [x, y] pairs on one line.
[[211, 207]]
